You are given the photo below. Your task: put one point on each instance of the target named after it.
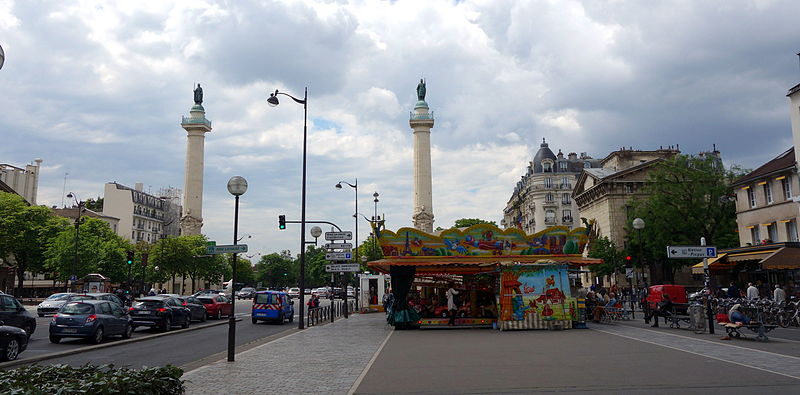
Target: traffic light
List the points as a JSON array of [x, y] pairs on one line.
[[130, 257], [281, 222], [628, 258]]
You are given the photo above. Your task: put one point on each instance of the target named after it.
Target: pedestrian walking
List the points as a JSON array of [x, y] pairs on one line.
[[733, 291], [388, 301], [451, 304], [752, 292], [778, 295]]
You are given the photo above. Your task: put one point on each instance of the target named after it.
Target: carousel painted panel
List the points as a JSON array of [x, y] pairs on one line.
[[535, 296]]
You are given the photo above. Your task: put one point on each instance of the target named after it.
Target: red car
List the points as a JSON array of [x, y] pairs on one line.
[[216, 305]]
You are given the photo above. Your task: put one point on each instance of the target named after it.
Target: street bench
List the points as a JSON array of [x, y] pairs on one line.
[[761, 330]]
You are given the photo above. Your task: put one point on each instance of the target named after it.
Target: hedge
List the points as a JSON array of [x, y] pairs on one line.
[[91, 379]]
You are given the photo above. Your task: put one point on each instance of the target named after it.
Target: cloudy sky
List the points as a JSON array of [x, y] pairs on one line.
[[97, 89]]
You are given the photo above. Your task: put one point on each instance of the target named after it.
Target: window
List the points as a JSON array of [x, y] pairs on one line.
[[565, 198], [565, 182], [547, 167], [786, 185], [548, 182], [754, 235], [628, 188], [751, 197], [772, 232], [7, 304], [550, 217], [767, 193], [562, 166], [791, 230], [567, 216], [104, 308], [548, 197]]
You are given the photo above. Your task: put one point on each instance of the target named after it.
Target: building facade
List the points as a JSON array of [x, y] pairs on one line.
[[142, 216], [543, 197], [24, 182]]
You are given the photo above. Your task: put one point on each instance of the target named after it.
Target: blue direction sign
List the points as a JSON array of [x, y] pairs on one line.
[[683, 252]]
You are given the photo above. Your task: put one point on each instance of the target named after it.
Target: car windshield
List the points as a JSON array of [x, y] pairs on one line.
[[206, 300], [264, 299], [77, 308], [58, 297], [148, 304], [295, 290], [81, 297]]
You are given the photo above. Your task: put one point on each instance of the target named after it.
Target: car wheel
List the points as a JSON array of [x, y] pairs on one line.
[[186, 322], [98, 335], [219, 314], [167, 325], [255, 321], [280, 319], [11, 351], [55, 339], [128, 332]]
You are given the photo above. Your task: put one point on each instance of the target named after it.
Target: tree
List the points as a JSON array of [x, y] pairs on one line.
[[276, 270], [94, 204], [371, 249], [687, 198], [613, 258], [100, 250], [467, 222], [25, 233]]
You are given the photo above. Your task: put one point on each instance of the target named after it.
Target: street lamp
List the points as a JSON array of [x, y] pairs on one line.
[[638, 224], [375, 218], [72, 276], [355, 216], [273, 101], [2, 57], [237, 186], [316, 232]]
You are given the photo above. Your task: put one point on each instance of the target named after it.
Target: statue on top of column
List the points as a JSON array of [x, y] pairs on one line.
[[198, 95], [421, 89]]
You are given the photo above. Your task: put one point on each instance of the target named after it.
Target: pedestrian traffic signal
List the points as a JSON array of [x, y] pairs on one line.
[[628, 258], [281, 222], [130, 257]]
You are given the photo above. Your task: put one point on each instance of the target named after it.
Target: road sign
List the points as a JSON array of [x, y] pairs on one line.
[[339, 245], [227, 249], [678, 252], [346, 235], [338, 256], [343, 267]]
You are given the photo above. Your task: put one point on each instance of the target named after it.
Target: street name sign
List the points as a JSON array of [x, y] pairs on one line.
[[343, 267], [338, 256], [682, 252], [346, 235], [339, 246], [226, 249]]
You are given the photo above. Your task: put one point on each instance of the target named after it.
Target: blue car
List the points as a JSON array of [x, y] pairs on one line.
[[91, 319], [272, 306]]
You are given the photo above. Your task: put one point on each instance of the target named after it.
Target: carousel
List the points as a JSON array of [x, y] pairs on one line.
[[483, 276]]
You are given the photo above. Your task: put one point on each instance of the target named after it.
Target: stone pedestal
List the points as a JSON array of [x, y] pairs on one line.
[[196, 126]]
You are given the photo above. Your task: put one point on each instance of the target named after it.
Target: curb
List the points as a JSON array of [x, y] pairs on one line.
[[44, 357]]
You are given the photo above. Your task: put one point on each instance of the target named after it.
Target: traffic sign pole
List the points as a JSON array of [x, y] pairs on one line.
[[707, 283]]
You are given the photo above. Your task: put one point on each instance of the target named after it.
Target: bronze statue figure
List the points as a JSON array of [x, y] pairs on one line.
[[198, 95], [421, 89]]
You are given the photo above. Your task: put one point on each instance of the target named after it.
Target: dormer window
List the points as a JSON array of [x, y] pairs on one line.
[[547, 166], [562, 166]]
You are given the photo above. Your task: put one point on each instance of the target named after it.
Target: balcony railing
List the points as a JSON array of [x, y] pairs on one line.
[[566, 202], [549, 220], [566, 220]]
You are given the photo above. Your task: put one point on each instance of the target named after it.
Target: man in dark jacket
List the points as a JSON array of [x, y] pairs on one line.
[[733, 291], [664, 309]]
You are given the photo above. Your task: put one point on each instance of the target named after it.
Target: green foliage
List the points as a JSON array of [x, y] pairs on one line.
[[185, 256], [271, 268], [94, 204], [467, 222], [92, 379], [613, 258], [100, 250], [25, 233], [686, 200]]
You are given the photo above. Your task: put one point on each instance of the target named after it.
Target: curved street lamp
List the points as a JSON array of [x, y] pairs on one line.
[[355, 216], [638, 224], [273, 101], [237, 186]]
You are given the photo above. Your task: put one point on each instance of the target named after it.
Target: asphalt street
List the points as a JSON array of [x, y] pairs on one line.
[[178, 348]]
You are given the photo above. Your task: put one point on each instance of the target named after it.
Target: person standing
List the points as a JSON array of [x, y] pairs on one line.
[[451, 304], [778, 295], [752, 292]]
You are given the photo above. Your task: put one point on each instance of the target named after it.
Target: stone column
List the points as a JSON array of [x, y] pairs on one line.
[[196, 126], [421, 122]]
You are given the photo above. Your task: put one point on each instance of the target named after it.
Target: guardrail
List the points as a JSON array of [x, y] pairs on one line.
[[318, 315]]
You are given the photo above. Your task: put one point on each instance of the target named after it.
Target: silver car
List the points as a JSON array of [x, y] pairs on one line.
[[53, 303]]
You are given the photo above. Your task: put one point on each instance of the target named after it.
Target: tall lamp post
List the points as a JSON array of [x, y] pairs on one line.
[[375, 218], [355, 257], [77, 234], [273, 101], [237, 186], [638, 224]]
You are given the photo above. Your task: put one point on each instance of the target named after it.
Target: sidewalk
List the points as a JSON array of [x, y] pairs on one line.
[[324, 359]]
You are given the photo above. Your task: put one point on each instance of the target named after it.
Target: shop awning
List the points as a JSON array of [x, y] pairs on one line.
[[472, 264], [784, 258], [713, 264], [749, 256]]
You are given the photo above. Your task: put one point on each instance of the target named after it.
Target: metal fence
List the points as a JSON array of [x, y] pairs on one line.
[[323, 314]]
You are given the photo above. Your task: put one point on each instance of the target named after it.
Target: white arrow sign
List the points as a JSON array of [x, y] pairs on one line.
[[226, 249], [338, 245], [682, 252], [346, 235], [343, 267], [338, 256]]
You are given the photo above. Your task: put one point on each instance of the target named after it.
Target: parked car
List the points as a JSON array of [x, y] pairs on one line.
[[307, 291], [246, 293], [321, 292], [294, 292], [13, 313], [91, 319], [217, 306], [197, 308], [163, 312], [13, 341], [52, 303], [338, 293], [272, 306]]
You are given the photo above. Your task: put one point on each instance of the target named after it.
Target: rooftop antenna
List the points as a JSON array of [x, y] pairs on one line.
[[64, 190]]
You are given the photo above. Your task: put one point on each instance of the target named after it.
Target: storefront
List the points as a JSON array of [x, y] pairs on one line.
[[482, 276]]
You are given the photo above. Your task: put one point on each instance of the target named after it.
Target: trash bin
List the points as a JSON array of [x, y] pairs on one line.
[[697, 318]]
